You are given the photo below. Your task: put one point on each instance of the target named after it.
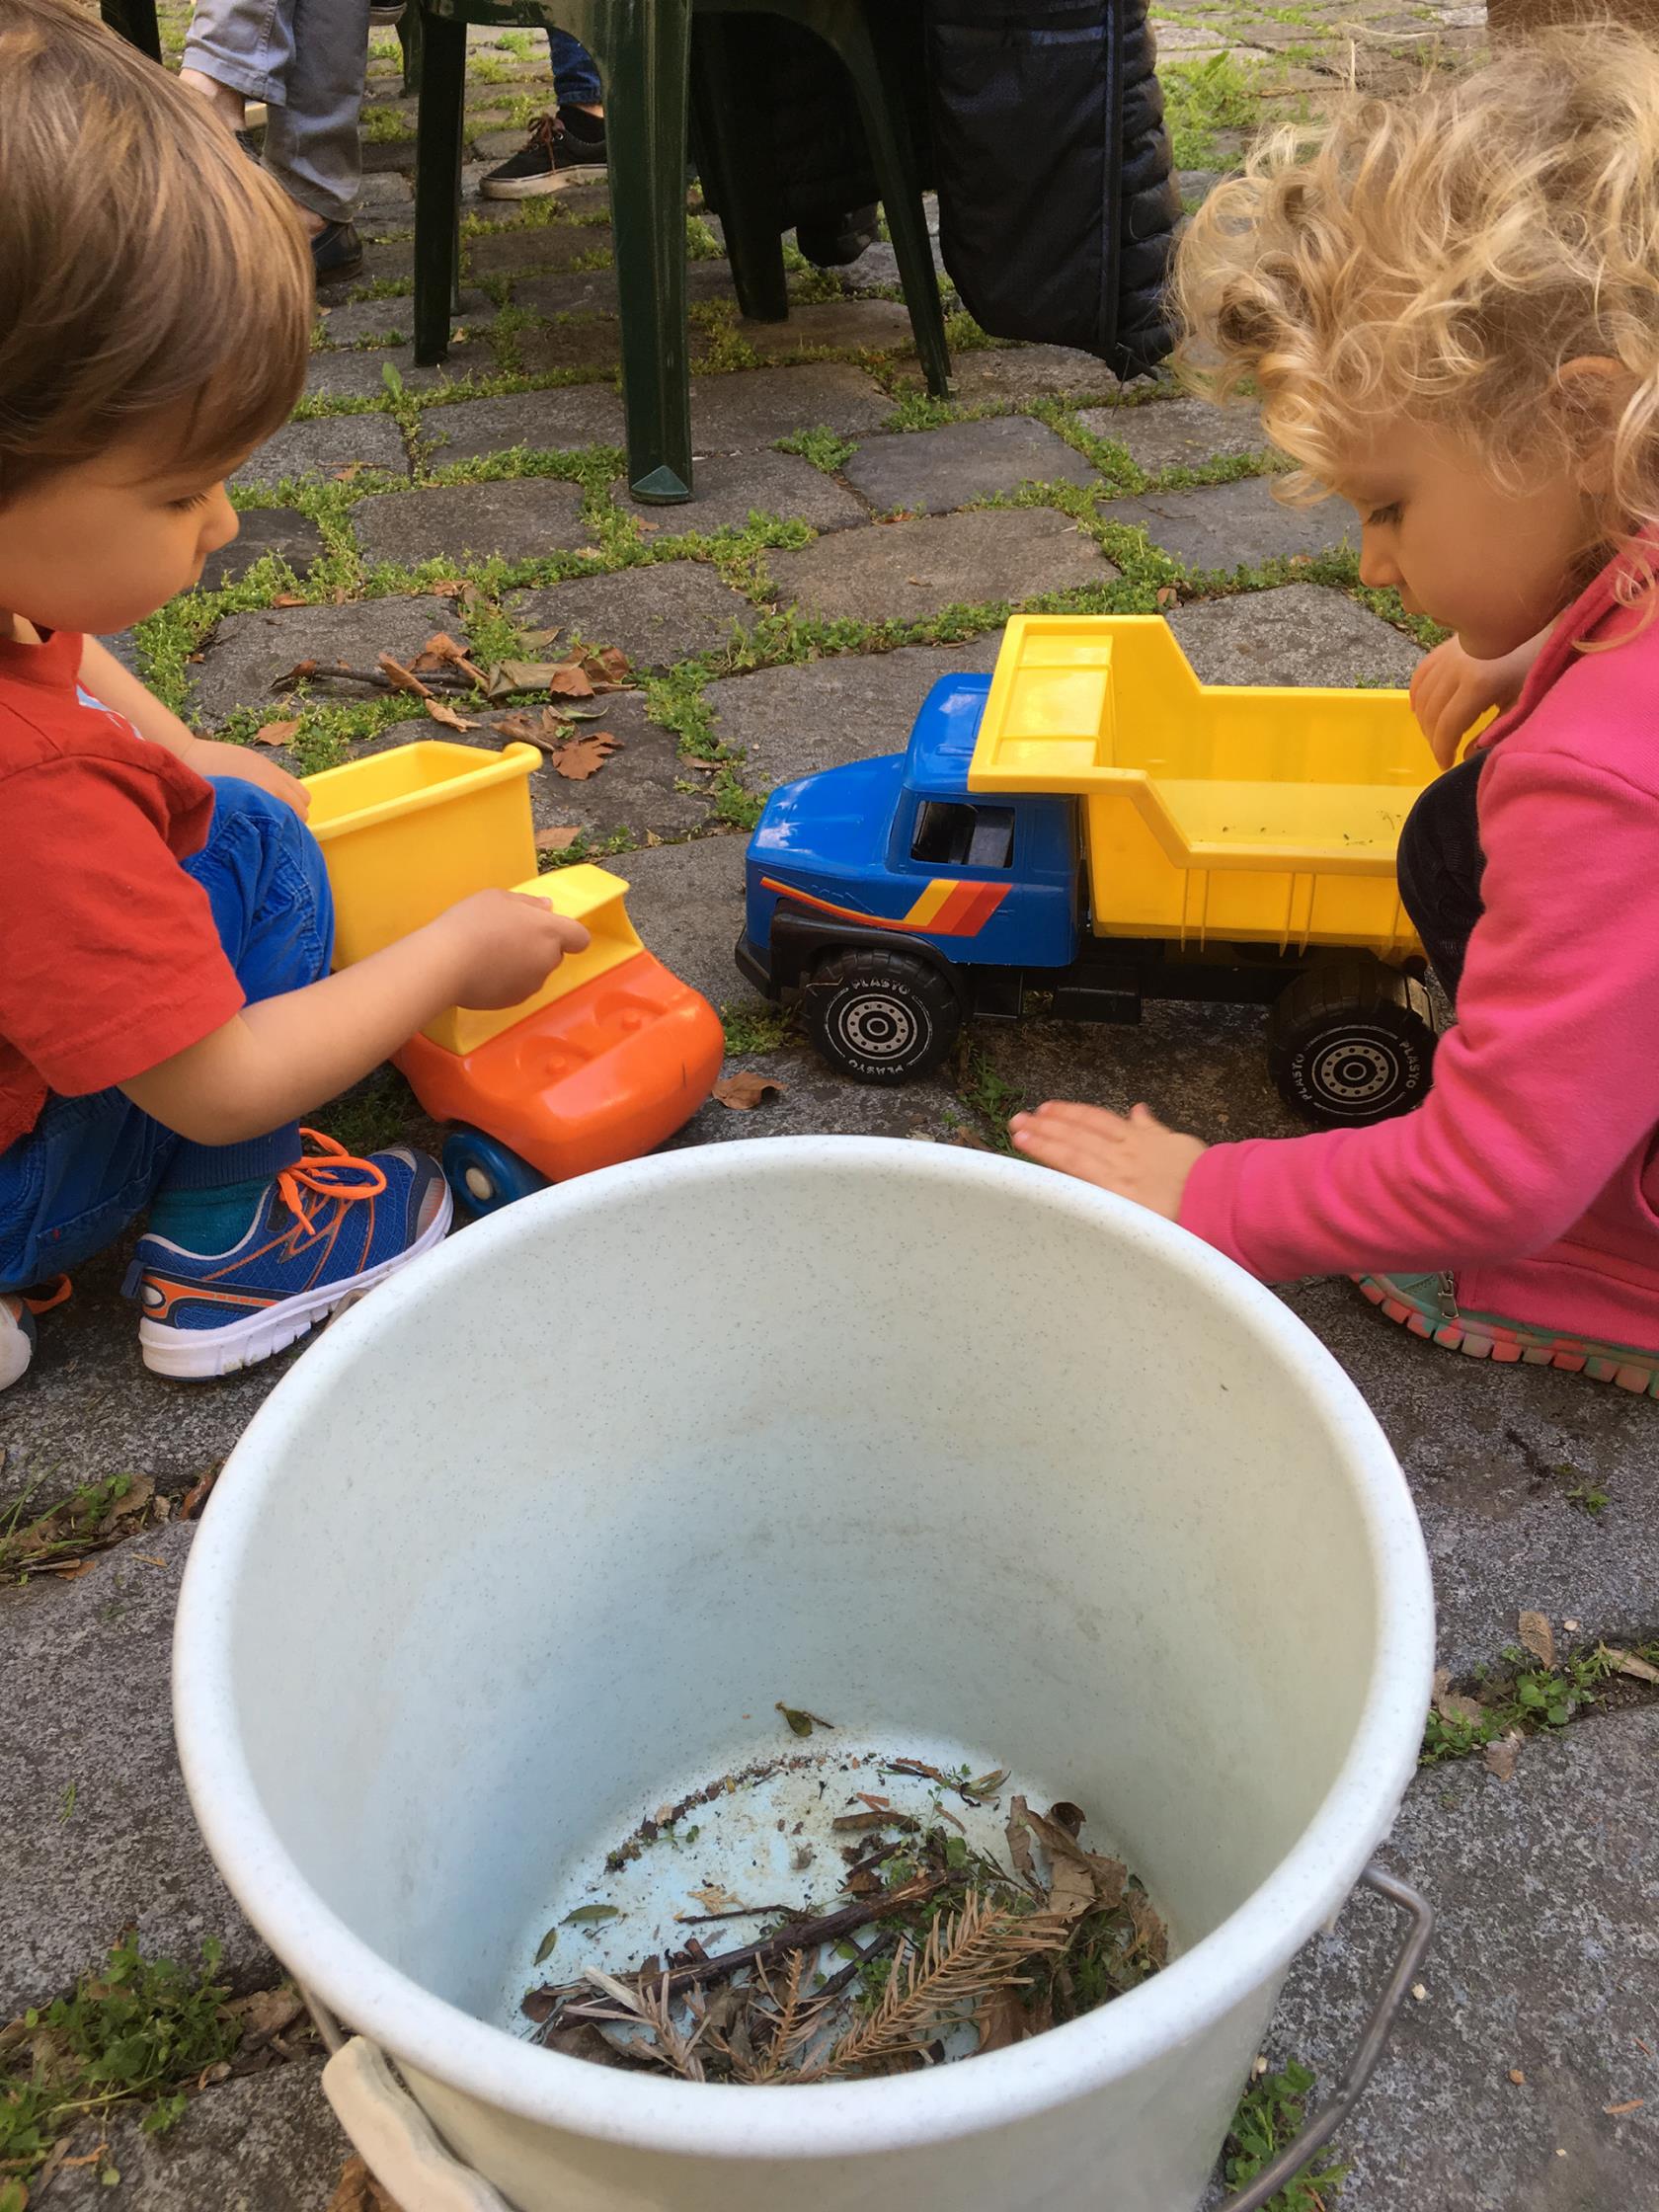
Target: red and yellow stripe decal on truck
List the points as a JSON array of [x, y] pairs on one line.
[[946, 909]]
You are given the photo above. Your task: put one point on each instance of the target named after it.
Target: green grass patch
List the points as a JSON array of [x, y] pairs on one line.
[[826, 449], [137, 2031], [1202, 98], [1527, 1695], [752, 1028], [1270, 2114]]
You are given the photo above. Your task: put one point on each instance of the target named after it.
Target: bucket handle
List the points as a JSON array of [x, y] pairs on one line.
[[1330, 2116]]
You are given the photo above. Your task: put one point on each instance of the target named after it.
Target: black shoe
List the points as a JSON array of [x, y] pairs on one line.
[[835, 241], [335, 253], [568, 148]]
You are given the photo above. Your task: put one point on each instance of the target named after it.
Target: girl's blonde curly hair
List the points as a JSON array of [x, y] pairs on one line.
[[1442, 257]]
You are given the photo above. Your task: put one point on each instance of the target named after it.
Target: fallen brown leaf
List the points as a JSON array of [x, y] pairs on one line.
[[582, 757], [1539, 1636], [1167, 596], [1617, 2111], [1019, 1839], [1500, 1756], [400, 678], [1626, 1663], [349, 471], [567, 681], [1002, 2019], [448, 587], [438, 711], [714, 1899], [357, 2189], [442, 651], [195, 1497], [1081, 1880], [556, 839], [276, 733], [747, 1090], [298, 674], [266, 2013], [289, 599], [1516, 2077]]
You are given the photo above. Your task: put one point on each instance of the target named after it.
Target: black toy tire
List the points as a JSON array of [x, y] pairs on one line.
[[881, 1017], [1352, 1042]]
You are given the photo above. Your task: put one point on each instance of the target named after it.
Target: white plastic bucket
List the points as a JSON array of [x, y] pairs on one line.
[[930, 1441]]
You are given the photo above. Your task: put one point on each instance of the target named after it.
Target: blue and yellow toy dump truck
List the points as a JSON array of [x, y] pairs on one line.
[[1092, 826]]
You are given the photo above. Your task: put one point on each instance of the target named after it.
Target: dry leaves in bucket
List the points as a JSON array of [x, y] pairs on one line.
[[918, 1947]]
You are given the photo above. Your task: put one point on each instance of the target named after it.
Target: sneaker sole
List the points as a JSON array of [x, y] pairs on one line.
[[533, 188], [1477, 1340], [199, 1354]]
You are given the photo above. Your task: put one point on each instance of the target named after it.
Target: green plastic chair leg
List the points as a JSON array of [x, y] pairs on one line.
[[848, 32], [410, 32], [735, 161], [437, 183], [644, 55]]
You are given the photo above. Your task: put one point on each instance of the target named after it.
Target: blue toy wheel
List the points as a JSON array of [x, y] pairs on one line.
[[485, 1175]]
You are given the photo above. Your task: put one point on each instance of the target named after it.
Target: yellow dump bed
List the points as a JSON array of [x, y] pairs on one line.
[[1261, 814]]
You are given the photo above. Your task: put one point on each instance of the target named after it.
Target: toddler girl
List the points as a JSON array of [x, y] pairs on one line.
[[1449, 308]]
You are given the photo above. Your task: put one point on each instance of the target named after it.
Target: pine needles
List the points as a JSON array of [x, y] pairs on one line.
[[958, 1955]]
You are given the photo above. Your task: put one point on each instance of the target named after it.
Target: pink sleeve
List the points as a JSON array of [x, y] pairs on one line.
[[1547, 1083]]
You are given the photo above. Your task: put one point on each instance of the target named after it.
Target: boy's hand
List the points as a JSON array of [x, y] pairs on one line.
[[1136, 1157], [1450, 690], [208, 757], [505, 945]]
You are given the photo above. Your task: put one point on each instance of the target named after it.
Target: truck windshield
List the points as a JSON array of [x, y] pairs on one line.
[[953, 835]]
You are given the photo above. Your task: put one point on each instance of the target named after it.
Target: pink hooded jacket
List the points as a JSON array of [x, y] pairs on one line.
[[1532, 1171]]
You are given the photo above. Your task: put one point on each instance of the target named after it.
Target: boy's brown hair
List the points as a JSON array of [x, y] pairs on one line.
[[151, 275]]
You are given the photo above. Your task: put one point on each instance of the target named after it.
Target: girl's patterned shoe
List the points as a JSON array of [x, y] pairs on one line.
[[1427, 1304]]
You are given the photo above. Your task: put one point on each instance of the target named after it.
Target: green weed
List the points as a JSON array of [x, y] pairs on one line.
[[1269, 2115], [139, 2030], [1202, 98], [826, 449], [752, 1028], [1530, 1697]]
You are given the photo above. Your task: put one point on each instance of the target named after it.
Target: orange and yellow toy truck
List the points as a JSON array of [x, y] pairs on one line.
[[611, 1056]]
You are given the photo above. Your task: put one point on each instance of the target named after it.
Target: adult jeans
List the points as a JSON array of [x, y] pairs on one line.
[[305, 59], [90, 1166], [1439, 865], [576, 78]]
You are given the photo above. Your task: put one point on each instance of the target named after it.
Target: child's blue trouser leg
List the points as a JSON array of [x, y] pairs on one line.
[[90, 1164]]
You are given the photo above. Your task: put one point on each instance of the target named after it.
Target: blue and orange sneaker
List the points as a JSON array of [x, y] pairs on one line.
[[1426, 1305], [18, 1309], [329, 1228]]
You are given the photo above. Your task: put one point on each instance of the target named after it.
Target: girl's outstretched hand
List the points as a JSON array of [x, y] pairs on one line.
[[1135, 1156], [1450, 690]]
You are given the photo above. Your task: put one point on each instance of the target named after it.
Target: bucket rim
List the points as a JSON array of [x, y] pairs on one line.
[[1245, 1955]]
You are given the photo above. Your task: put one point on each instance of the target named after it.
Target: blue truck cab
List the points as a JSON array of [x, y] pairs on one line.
[[893, 903]]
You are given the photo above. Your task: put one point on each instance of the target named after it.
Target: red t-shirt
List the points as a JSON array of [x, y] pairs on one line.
[[109, 962]]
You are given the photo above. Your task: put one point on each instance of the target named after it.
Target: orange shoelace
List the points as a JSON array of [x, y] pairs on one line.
[[325, 1176]]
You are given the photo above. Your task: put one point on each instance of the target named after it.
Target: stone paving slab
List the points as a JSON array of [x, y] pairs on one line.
[[84, 1687], [267, 2142], [728, 488], [390, 256], [658, 614], [737, 413], [1544, 1960], [852, 706], [360, 373], [687, 902], [356, 320], [293, 537], [523, 519], [1491, 1454], [319, 449], [910, 571], [558, 420], [1027, 373], [639, 788], [873, 326], [1298, 633], [1225, 526], [248, 652], [538, 246], [932, 472], [593, 342], [1169, 433]]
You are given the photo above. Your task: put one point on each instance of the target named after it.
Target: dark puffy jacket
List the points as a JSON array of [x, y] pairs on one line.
[[1057, 202], [1040, 122]]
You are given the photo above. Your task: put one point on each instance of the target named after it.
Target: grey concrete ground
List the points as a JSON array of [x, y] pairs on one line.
[[808, 637]]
